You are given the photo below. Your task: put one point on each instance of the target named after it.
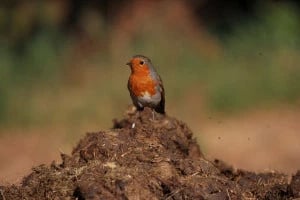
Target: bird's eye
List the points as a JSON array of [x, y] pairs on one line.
[[141, 62]]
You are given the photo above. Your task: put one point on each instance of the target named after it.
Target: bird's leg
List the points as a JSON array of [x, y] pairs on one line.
[[153, 115]]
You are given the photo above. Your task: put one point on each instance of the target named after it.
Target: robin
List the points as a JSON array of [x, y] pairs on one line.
[[145, 85]]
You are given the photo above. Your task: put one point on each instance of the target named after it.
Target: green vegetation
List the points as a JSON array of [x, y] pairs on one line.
[[52, 79], [260, 63]]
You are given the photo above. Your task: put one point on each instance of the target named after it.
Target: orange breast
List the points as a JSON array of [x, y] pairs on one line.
[[140, 84]]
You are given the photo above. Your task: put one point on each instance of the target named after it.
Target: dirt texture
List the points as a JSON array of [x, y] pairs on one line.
[[147, 158]]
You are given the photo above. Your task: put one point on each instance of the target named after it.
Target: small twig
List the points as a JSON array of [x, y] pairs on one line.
[[228, 194], [127, 152], [172, 194], [194, 174], [2, 194], [133, 125]]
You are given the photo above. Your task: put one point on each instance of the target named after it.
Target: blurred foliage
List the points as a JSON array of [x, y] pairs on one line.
[[260, 63], [50, 75]]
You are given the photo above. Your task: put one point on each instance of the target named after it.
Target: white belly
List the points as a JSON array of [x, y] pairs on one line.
[[146, 99]]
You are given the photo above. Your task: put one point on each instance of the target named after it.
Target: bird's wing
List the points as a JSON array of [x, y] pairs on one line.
[[161, 106]]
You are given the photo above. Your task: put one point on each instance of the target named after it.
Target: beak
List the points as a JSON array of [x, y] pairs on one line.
[[129, 63]]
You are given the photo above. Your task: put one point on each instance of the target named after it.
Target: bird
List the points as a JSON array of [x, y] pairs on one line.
[[145, 85]]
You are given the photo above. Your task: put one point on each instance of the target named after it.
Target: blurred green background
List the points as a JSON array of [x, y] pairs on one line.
[[62, 62]]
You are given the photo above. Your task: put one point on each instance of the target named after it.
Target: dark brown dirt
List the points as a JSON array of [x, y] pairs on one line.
[[152, 159]]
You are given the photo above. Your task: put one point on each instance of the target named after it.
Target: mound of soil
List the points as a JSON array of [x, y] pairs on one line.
[[146, 158]]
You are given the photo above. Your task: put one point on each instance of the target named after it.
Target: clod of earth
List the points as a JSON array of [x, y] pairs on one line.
[[155, 159]]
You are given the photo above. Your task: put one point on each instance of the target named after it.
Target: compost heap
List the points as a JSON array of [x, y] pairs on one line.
[[147, 158]]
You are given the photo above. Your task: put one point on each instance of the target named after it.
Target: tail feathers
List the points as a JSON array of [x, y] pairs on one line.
[[160, 108]]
